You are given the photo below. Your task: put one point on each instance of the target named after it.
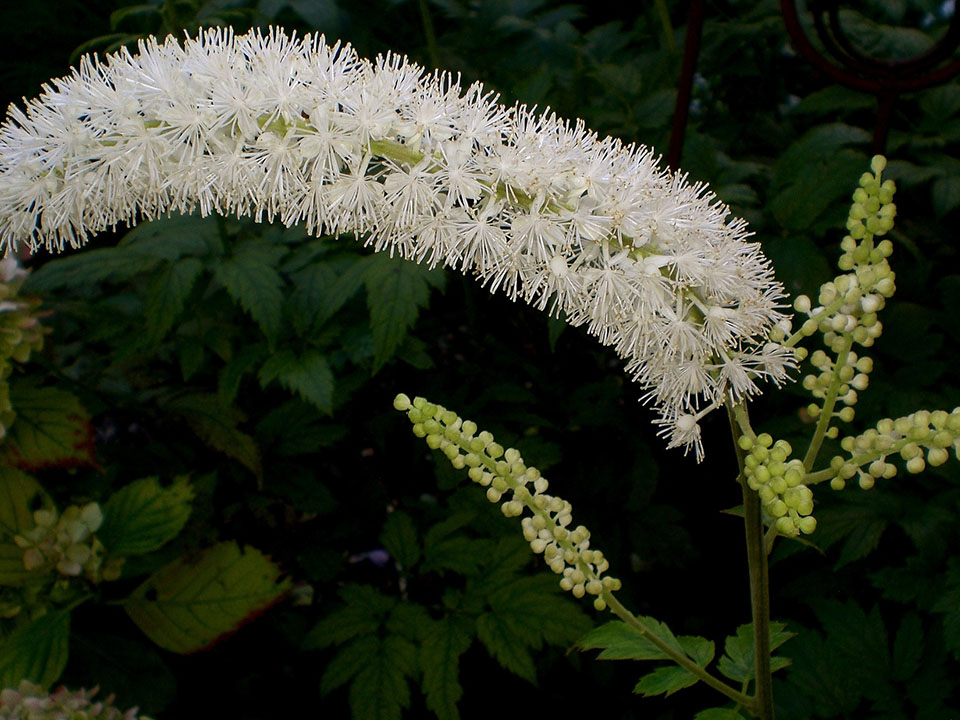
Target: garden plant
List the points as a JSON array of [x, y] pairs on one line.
[[266, 237]]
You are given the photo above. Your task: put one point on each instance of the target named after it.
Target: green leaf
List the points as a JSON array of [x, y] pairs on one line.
[[89, 267], [380, 691], [665, 680], [310, 302], [738, 663], [907, 648], [193, 602], [860, 524], [946, 194], [20, 496], [365, 609], [216, 425], [52, 430], [619, 641], [523, 615], [718, 714], [12, 571], [832, 100], [440, 655], [698, 649], [170, 238], [505, 646], [191, 354], [168, 293], [251, 278], [348, 662], [36, 652], [399, 538], [308, 375], [143, 516], [396, 291], [228, 384]]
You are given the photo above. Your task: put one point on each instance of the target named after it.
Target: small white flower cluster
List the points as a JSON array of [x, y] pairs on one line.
[[503, 473], [66, 542], [276, 127], [32, 702], [936, 432]]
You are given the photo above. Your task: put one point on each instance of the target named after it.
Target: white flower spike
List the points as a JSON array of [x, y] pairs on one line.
[[276, 127]]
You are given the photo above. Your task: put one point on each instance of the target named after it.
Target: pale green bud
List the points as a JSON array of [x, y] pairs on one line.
[[401, 402]]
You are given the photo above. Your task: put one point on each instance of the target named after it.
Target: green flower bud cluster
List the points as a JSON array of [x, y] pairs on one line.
[[20, 331], [779, 483], [919, 439], [848, 305], [32, 702], [509, 481], [848, 379], [67, 542]]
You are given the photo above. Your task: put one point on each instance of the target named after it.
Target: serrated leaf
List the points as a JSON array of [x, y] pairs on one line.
[[143, 516], [242, 363], [738, 663], [251, 278], [619, 641], [410, 620], [308, 375], [505, 646], [698, 649], [89, 267], [459, 554], [167, 295], [310, 303], [907, 648], [399, 538], [396, 291], [216, 425], [190, 353], [380, 691], [170, 238], [192, 603], [20, 496], [52, 430], [440, 655], [349, 661], [665, 681], [859, 524], [36, 652], [365, 610]]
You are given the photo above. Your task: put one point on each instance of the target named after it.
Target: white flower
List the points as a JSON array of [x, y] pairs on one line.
[[276, 127]]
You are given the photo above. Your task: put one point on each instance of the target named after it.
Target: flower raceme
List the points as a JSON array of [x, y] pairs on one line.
[[281, 128]]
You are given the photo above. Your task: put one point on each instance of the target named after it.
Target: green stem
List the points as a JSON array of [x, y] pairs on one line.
[[829, 402], [678, 657], [428, 33], [759, 579]]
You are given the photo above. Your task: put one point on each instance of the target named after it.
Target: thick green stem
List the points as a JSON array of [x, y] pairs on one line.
[[678, 657], [759, 578]]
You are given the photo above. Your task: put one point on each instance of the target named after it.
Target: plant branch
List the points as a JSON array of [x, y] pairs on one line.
[[678, 657], [759, 579]]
